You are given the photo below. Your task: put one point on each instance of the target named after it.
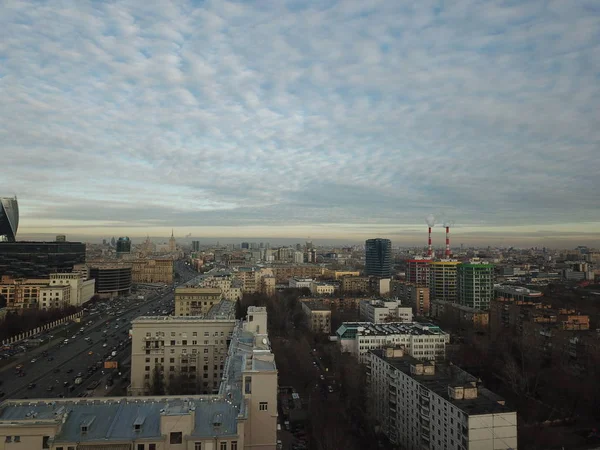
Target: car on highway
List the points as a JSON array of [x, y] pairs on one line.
[[31, 385], [90, 353], [69, 370], [33, 360]]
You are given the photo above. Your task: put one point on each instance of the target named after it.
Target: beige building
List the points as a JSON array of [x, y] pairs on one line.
[[194, 346], [267, 285], [320, 288], [57, 291], [195, 301], [443, 280], [152, 271], [355, 285], [250, 279], [241, 414], [318, 315], [82, 289], [415, 296]]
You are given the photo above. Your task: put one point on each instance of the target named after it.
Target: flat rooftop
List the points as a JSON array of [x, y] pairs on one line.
[[516, 290], [385, 329], [446, 375], [315, 305]]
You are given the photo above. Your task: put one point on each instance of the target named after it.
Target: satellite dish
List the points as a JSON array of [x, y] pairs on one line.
[[264, 341]]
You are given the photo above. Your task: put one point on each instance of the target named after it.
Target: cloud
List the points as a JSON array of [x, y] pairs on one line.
[[299, 113]]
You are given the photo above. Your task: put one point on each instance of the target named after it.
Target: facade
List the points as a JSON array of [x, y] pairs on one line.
[[241, 414], [436, 406], [231, 288], [475, 285], [9, 219], [418, 271], [415, 296], [250, 279], [195, 346], [268, 285], [195, 246], [355, 285], [112, 279], [510, 305], [381, 311], [320, 288], [195, 301], [123, 246], [82, 289], [378, 258], [299, 283], [39, 259], [459, 315], [318, 315], [152, 271], [422, 340], [283, 273], [443, 280], [172, 243], [57, 291]]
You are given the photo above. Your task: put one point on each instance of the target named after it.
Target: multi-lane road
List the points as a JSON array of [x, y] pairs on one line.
[[53, 372]]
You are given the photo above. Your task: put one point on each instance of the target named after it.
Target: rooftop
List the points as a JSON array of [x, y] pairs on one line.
[[315, 305], [445, 375], [516, 290], [384, 329]]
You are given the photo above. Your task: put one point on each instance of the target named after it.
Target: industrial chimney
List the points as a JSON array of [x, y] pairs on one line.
[[430, 220]]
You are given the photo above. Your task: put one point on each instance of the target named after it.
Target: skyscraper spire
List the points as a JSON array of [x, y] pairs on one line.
[[172, 233]]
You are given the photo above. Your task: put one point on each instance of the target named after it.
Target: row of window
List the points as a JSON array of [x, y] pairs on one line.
[[195, 333]]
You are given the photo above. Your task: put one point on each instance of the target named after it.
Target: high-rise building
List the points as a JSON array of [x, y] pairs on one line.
[[378, 255], [442, 280], [417, 271], [112, 279], [123, 245], [475, 285], [172, 243], [9, 219], [195, 246], [39, 259], [245, 245]]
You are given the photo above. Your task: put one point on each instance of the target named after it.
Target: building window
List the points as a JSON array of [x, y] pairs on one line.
[[223, 445], [151, 446], [234, 445], [176, 438], [141, 447], [45, 443], [17, 439], [197, 445], [263, 406]]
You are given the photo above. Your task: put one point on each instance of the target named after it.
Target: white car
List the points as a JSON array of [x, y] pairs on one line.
[[33, 360], [104, 345]]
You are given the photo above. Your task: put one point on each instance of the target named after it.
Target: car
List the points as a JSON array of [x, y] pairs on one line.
[[21, 374], [33, 360], [50, 388], [69, 370], [31, 385], [66, 383], [322, 377], [74, 336], [90, 353], [104, 345], [330, 389]]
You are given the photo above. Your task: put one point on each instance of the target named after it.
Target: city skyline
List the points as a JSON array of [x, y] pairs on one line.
[[336, 120]]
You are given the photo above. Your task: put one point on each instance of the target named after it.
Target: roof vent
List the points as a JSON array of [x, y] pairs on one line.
[[217, 420], [137, 424]]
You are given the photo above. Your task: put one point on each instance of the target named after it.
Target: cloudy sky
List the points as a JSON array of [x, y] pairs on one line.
[[326, 119]]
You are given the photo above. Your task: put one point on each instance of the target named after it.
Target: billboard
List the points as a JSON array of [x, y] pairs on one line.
[[111, 365]]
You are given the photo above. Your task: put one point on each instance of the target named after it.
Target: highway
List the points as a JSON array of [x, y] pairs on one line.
[[53, 373]]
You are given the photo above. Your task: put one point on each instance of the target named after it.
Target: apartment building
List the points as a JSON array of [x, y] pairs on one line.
[[418, 271], [57, 291], [318, 315], [508, 305], [82, 289], [475, 285], [268, 285], [422, 340], [355, 285], [410, 294], [435, 406], [283, 273], [250, 279], [195, 301], [336, 302], [241, 414], [195, 346], [460, 316], [443, 280], [231, 287], [152, 271], [384, 310]]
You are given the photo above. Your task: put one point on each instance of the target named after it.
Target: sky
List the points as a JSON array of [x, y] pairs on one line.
[[322, 119]]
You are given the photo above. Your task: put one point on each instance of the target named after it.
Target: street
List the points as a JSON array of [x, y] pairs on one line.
[[51, 371]]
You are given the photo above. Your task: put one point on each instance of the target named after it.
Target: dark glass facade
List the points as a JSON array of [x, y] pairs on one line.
[[378, 256], [123, 245], [111, 280], [39, 259]]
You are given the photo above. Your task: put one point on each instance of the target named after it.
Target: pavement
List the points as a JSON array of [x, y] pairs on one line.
[[53, 374]]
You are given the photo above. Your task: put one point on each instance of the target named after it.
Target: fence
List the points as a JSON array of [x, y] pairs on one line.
[[49, 326]]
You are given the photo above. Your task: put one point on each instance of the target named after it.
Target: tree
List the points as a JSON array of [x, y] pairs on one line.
[[157, 383]]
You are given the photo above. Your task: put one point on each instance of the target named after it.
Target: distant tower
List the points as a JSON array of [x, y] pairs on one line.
[[9, 219], [123, 246], [61, 238], [378, 257], [172, 243]]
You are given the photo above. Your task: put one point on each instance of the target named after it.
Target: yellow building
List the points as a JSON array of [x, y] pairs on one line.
[[152, 271], [443, 280], [355, 284], [195, 301], [318, 288]]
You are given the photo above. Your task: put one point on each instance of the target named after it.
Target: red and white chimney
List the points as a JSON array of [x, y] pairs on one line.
[[447, 242], [429, 249]]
